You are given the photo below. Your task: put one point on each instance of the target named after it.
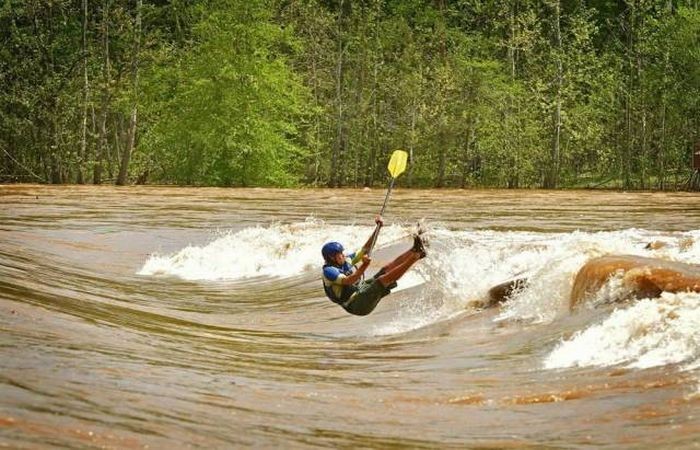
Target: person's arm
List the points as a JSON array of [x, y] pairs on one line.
[[380, 223], [356, 275]]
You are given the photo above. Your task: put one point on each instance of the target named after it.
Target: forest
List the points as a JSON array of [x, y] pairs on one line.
[[501, 93]]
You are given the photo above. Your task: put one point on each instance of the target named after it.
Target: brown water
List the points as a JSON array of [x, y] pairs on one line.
[[193, 317]]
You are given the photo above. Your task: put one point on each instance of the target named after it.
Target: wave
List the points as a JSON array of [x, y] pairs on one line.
[[463, 265], [648, 333], [278, 250]]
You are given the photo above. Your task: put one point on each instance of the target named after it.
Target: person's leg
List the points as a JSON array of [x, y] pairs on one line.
[[390, 276], [369, 294], [408, 254], [398, 261]]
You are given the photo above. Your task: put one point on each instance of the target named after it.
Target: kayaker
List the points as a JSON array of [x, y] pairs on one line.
[[343, 279]]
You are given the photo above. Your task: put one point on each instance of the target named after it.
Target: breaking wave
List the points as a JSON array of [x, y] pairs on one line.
[[463, 265]]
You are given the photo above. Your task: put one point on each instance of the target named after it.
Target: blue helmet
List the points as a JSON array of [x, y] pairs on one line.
[[331, 248]]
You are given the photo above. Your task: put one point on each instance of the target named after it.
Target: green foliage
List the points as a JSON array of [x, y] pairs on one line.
[[227, 111], [281, 92]]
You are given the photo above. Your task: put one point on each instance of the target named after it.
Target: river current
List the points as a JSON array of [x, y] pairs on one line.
[[160, 317]]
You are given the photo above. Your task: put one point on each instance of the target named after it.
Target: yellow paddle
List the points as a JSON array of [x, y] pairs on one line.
[[397, 165]]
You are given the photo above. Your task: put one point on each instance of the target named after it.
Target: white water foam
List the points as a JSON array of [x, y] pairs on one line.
[[555, 261], [649, 333], [279, 250], [462, 265]]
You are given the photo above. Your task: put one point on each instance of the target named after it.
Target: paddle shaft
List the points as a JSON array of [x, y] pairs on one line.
[[381, 213]]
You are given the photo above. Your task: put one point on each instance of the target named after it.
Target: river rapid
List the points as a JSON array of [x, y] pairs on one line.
[[159, 317]]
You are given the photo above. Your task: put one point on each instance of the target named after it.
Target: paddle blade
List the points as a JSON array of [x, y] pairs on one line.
[[397, 163]]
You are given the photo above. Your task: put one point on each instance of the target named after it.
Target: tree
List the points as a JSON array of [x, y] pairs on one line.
[[228, 109], [126, 155]]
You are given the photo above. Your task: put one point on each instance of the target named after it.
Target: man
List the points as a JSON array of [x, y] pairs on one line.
[[342, 279]]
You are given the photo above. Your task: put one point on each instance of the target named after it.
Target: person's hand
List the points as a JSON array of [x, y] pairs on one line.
[[366, 259], [379, 221]]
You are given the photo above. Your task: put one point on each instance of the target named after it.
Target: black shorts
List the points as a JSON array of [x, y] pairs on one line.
[[367, 296]]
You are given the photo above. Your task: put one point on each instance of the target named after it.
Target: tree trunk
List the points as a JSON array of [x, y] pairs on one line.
[[86, 86], [661, 153], [442, 160], [374, 145], [411, 145], [465, 161], [642, 157], [661, 157], [511, 112], [102, 141], [442, 132], [466, 155], [338, 148], [511, 45], [55, 159], [126, 154], [317, 123], [552, 178], [627, 153]]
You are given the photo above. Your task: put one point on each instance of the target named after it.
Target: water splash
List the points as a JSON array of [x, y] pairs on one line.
[[555, 260], [278, 250], [463, 265], [649, 333]]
